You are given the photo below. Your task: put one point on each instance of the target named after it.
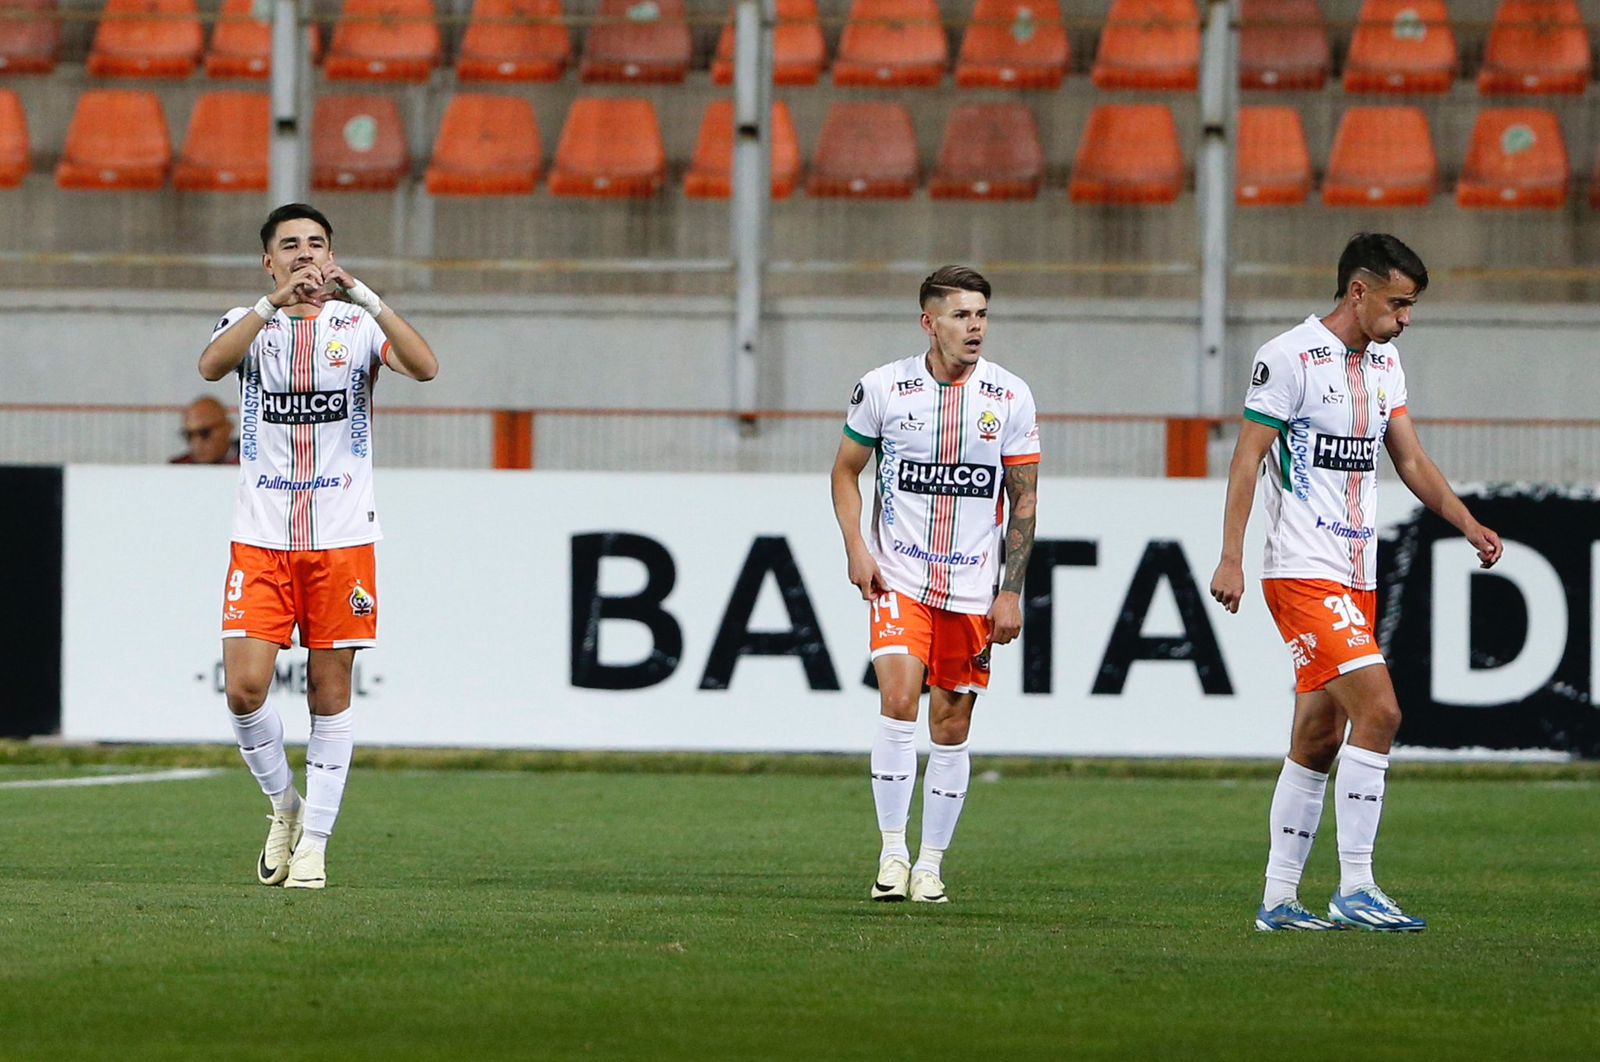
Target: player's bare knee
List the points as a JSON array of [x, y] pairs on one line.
[[245, 696], [949, 731], [903, 708]]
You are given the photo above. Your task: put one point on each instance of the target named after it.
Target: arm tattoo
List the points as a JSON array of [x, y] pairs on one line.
[[1022, 484]]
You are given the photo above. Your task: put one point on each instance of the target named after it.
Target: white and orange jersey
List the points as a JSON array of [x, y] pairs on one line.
[[942, 454], [1331, 408], [305, 430]]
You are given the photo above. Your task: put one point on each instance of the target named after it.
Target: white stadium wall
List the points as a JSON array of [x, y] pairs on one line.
[[1081, 356], [711, 612]]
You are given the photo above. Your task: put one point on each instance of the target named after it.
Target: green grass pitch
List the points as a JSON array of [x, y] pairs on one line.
[[510, 914]]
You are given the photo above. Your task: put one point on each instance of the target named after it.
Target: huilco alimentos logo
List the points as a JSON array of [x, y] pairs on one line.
[[1342, 453], [959, 479], [304, 407]]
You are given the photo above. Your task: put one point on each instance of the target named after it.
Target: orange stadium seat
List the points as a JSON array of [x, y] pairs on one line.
[[990, 151], [30, 36], [798, 49], [1401, 46], [1149, 44], [1517, 158], [1283, 44], [117, 140], [241, 45], [14, 146], [865, 151], [502, 44], [1382, 156], [487, 145], [892, 43], [228, 144], [1014, 44], [1536, 47], [1273, 162], [610, 148], [165, 42], [1129, 154], [710, 174], [384, 40], [358, 144], [643, 40]]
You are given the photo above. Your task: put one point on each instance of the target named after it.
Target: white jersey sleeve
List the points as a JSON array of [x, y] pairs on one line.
[[1277, 386], [1401, 399], [229, 319], [863, 420], [1019, 444]]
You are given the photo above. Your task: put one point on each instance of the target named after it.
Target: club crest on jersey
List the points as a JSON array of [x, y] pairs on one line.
[[337, 353], [1383, 403], [361, 602], [988, 426]]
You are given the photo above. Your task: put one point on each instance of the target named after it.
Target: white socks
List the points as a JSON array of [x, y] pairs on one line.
[[1296, 812], [260, 737], [1358, 796], [894, 779], [943, 796], [328, 756]]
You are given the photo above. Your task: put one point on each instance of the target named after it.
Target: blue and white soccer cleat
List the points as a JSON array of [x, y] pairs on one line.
[[1293, 917], [1371, 908]]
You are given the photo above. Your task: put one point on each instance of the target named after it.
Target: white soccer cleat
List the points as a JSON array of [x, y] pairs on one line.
[[894, 875], [308, 869], [272, 866], [927, 888]]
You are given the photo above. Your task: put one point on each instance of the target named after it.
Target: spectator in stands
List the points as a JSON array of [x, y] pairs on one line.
[[208, 433]]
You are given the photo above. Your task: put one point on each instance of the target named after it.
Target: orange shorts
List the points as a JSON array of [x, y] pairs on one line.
[[330, 594], [1326, 626], [953, 646]]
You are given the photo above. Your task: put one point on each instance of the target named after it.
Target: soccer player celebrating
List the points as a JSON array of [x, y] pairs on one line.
[[1323, 397], [306, 355], [950, 429]]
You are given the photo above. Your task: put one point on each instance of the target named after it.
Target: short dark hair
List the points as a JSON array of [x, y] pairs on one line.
[[950, 278], [292, 212], [1380, 254]]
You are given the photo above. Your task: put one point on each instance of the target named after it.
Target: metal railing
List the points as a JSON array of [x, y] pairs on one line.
[[633, 440]]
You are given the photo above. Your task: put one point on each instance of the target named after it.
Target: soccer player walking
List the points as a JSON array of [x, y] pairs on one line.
[[307, 355], [1323, 397], [950, 431]]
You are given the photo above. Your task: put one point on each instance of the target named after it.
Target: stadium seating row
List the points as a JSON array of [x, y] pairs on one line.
[[490, 145], [1399, 46]]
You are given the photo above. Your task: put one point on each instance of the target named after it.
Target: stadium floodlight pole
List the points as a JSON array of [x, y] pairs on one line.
[[752, 188], [1219, 117], [286, 181]]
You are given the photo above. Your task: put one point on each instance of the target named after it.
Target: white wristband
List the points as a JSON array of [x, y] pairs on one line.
[[264, 308], [364, 297]]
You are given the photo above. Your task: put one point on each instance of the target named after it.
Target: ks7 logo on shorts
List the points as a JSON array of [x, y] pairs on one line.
[[959, 479]]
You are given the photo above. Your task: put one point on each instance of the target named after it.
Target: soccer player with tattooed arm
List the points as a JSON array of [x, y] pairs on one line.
[[307, 355], [1323, 398], [956, 443]]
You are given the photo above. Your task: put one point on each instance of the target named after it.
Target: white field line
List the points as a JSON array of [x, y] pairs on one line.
[[177, 774]]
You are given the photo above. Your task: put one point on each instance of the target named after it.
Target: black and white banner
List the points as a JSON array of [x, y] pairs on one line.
[[586, 610]]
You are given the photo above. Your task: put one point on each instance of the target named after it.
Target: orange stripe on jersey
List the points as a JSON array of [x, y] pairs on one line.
[[1020, 459], [1399, 411]]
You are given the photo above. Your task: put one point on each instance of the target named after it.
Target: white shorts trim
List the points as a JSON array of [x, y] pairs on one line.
[[372, 643], [1360, 662], [236, 634], [890, 650]]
